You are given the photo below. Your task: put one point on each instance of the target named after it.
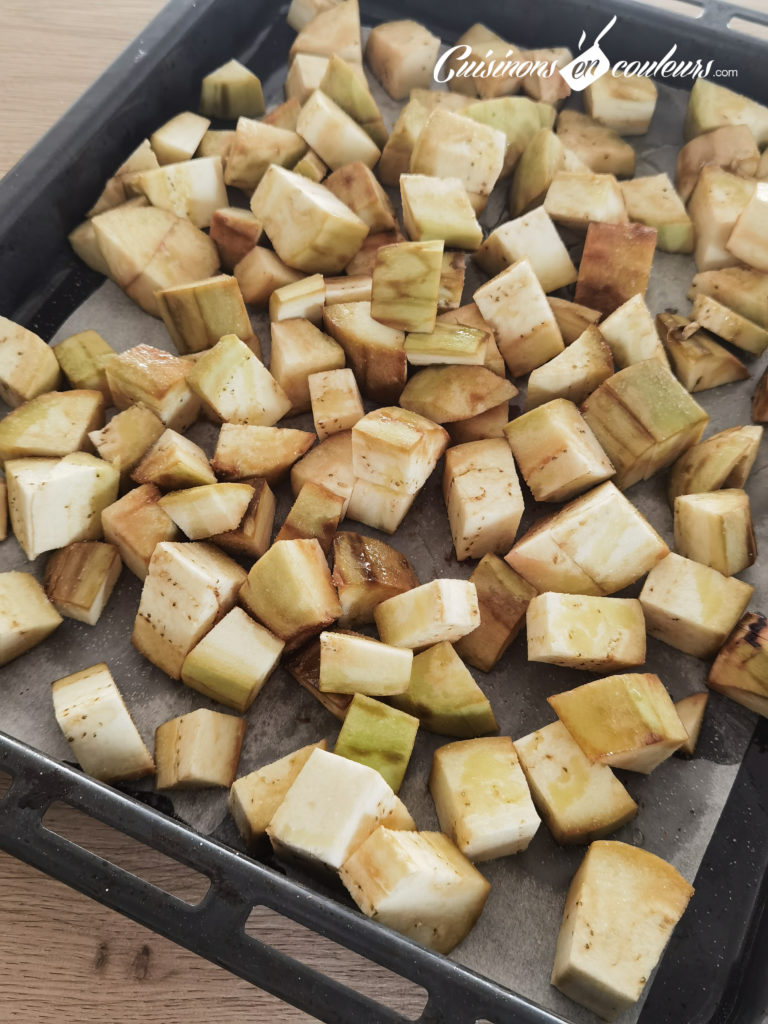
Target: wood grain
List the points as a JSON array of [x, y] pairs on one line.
[[67, 959]]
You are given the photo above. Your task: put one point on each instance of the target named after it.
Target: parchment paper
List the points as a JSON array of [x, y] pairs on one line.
[[680, 802]]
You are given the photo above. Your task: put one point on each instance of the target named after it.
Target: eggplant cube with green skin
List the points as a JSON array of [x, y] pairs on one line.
[[174, 462], [723, 460], [53, 502], [517, 116], [714, 207], [740, 670], [419, 884], [299, 349], [236, 232], [29, 367], [396, 448], [357, 664], [80, 578], [625, 103], [357, 187], [289, 590], [450, 146], [336, 401], [199, 313], [27, 616], [631, 334], [644, 419], [255, 148], [447, 394], [402, 56], [233, 661], [208, 509], [482, 798], [333, 134], [236, 387], [330, 464], [576, 200], [177, 139], [443, 609], [730, 326], [597, 145], [448, 343], [380, 507], [742, 289], [578, 799], [515, 306], [374, 351], [315, 513], [622, 906], [331, 808], [254, 798], [439, 208], [691, 606], [366, 571], [127, 437], [730, 147], [98, 726], [53, 424], [158, 380], [534, 237], [231, 91], [626, 721], [444, 697], [654, 202], [691, 711], [200, 750], [81, 358], [347, 86], [300, 299], [585, 632], [136, 525], [574, 373], [193, 189], [188, 588], [503, 597], [377, 735], [615, 265], [711, 106], [483, 497], [310, 229], [557, 453], [406, 282], [698, 360], [597, 544], [541, 161], [716, 528]]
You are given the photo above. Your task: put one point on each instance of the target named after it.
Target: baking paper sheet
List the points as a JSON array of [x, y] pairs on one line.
[[680, 802]]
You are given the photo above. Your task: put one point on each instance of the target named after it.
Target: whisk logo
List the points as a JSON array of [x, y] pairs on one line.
[[590, 65]]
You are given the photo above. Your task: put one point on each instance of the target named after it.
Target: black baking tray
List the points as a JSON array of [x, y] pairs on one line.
[[714, 970]]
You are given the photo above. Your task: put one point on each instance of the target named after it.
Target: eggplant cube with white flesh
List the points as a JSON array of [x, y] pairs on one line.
[[483, 497], [723, 460], [622, 906], [730, 147], [27, 616], [644, 419], [436, 611], [439, 208], [54, 424], [624, 102], [615, 265], [698, 360], [740, 670], [80, 578], [482, 798], [81, 358], [691, 711], [573, 374], [579, 800], [654, 202], [714, 208], [98, 726], [173, 462], [29, 366], [729, 325], [396, 448], [691, 606], [711, 105], [577, 199], [127, 437], [358, 664], [402, 55], [418, 883], [374, 351], [200, 313], [333, 134], [406, 282], [557, 453], [257, 146], [236, 232], [631, 334], [289, 590], [188, 588], [586, 632], [199, 750], [300, 299], [53, 502], [233, 661], [315, 513], [135, 525], [357, 187], [592, 146], [336, 401], [193, 189], [235, 386], [298, 350], [642, 730], [715, 528], [231, 91], [534, 237], [203, 511], [158, 380]]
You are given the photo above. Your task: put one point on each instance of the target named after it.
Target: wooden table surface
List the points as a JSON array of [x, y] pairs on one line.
[[67, 959]]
